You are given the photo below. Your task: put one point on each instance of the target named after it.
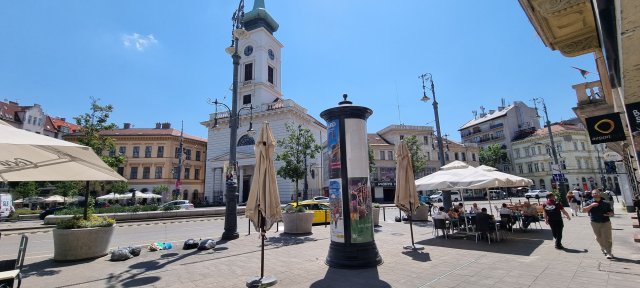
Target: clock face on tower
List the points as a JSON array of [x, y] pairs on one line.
[[271, 55], [248, 50]]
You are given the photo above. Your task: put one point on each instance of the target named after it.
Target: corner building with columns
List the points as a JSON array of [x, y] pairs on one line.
[[260, 87]]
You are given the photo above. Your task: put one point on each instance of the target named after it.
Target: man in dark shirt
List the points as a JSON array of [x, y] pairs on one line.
[[553, 217], [600, 211]]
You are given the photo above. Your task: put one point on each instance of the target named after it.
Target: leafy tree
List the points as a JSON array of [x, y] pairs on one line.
[[67, 189], [160, 189], [94, 122], [372, 160], [295, 148], [27, 189], [119, 186], [493, 155], [418, 159], [91, 124]]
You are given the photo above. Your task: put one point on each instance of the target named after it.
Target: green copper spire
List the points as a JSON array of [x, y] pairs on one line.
[[259, 17]]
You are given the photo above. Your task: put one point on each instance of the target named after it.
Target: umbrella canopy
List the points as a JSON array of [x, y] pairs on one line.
[[147, 195], [264, 198], [54, 198], [27, 156], [406, 198], [510, 180], [29, 200], [110, 196], [459, 175]]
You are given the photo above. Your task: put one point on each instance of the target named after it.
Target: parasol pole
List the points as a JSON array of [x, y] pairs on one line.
[[262, 236], [411, 223]]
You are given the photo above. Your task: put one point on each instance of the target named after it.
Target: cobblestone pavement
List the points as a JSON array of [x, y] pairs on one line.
[[523, 260]]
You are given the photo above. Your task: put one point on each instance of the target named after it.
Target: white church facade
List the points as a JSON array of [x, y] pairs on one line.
[[259, 87]]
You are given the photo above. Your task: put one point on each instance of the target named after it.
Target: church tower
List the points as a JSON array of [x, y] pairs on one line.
[[259, 79]]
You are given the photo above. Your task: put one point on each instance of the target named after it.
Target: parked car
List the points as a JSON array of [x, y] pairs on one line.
[[183, 204], [6, 203], [321, 199], [498, 194], [320, 210], [536, 194], [50, 211], [437, 197]]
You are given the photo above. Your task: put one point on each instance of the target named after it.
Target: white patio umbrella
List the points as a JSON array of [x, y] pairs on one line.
[[27, 156], [54, 198], [263, 204], [406, 198], [509, 180], [148, 195], [110, 196], [458, 175]]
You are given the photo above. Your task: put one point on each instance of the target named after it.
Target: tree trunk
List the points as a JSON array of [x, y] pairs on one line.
[[86, 200]]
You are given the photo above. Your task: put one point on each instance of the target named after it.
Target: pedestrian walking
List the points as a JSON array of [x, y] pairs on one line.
[[553, 211], [599, 212]]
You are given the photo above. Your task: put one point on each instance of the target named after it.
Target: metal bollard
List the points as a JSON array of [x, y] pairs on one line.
[[249, 227], [325, 218], [384, 217]]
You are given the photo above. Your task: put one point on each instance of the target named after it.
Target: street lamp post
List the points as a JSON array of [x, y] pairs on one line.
[[230, 219], [561, 188], [446, 198]]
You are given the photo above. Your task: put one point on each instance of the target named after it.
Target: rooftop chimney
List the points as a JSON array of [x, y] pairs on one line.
[[158, 125], [63, 119], [166, 125], [127, 126]]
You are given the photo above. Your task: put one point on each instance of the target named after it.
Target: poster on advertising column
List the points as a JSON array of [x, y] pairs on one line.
[[360, 206], [335, 207], [333, 143]]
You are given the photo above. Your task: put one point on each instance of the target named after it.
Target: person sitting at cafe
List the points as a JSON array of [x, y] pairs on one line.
[[529, 215], [441, 214], [474, 209], [461, 208]]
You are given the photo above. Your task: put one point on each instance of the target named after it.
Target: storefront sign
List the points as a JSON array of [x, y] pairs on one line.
[[605, 128]]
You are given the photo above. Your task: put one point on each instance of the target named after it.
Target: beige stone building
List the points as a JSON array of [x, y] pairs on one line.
[[152, 159]]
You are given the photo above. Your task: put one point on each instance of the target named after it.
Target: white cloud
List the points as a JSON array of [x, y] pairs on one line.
[[139, 42]]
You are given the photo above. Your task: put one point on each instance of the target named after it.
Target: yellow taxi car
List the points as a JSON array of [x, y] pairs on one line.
[[320, 210]]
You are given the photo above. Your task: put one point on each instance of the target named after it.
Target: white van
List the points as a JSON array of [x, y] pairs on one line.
[[437, 197], [5, 205]]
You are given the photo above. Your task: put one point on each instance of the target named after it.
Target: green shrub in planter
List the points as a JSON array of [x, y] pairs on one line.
[[93, 221]]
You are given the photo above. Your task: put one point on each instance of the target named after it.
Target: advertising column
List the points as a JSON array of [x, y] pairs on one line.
[[352, 244]]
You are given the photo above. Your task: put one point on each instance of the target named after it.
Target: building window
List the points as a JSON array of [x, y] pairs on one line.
[[425, 139], [542, 167], [401, 137], [517, 152], [123, 150], [160, 153], [428, 156], [526, 152], [464, 156], [134, 173], [248, 71], [381, 155], [446, 156], [563, 165], [30, 118], [186, 173], [542, 185], [583, 147], [136, 151], [146, 172], [539, 150], [536, 167], [175, 172], [198, 155], [177, 155], [389, 155], [196, 174], [520, 169], [246, 140], [533, 151], [121, 171], [270, 75], [187, 153], [246, 99], [455, 155], [473, 157], [158, 172], [147, 152], [575, 145], [112, 152], [579, 161]]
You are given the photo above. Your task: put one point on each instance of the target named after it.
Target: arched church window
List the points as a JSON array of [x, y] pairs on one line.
[[246, 140]]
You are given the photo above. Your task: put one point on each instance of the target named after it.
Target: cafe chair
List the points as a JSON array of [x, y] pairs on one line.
[[440, 224], [10, 270]]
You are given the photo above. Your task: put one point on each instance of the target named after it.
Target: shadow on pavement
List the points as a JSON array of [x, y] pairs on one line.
[[570, 250], [521, 246], [284, 239], [419, 256], [49, 267], [350, 278]]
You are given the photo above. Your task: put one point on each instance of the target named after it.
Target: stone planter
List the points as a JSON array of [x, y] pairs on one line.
[[79, 244], [376, 216], [422, 213], [297, 223]]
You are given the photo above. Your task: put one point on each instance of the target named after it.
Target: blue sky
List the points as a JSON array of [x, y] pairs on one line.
[[159, 61]]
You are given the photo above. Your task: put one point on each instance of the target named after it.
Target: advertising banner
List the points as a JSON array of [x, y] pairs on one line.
[[360, 207], [633, 114], [333, 143], [605, 128], [335, 207]]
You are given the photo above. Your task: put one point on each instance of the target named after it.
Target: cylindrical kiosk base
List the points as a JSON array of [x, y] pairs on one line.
[[353, 256]]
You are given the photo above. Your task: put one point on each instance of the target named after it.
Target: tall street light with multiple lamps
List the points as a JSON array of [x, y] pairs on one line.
[[446, 197], [560, 179]]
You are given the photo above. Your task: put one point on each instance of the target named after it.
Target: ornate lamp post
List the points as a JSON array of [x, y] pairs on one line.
[[446, 197]]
